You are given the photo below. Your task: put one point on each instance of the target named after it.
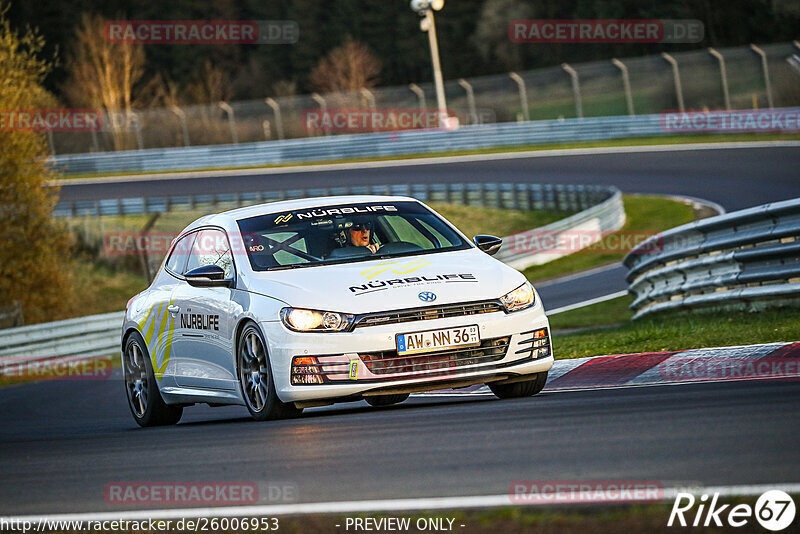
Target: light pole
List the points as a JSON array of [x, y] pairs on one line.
[[425, 9]]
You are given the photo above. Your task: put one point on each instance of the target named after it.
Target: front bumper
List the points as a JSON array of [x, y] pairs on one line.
[[353, 356]]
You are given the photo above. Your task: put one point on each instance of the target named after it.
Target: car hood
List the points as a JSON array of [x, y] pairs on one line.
[[390, 284]]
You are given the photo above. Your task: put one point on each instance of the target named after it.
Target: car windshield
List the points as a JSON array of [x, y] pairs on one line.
[[345, 233]]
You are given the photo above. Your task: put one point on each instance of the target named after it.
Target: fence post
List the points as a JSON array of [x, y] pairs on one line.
[[626, 84], [723, 75], [184, 127], [231, 120], [473, 114], [95, 143], [765, 69], [676, 75], [323, 106], [137, 126], [50, 142], [370, 98], [523, 95], [276, 109], [417, 90], [576, 89]]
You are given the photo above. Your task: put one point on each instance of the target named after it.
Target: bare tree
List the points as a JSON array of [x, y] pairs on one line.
[[103, 74], [211, 86], [491, 33], [348, 68]]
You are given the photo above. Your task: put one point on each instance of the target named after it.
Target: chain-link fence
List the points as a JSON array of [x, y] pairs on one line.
[[754, 77]]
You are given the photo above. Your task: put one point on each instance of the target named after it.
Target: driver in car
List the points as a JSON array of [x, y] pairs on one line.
[[359, 235]]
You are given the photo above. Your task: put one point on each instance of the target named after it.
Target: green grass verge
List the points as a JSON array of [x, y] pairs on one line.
[[473, 220], [100, 289], [628, 141], [677, 331], [613, 311], [645, 215]]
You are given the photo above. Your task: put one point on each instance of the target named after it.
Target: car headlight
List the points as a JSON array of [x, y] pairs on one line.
[[519, 299], [301, 320]]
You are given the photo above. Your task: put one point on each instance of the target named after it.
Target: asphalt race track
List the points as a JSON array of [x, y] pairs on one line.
[[62, 442], [736, 178]]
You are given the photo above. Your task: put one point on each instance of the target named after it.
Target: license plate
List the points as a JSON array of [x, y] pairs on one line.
[[435, 340]]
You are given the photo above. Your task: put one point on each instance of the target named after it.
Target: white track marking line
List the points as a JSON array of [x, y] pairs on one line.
[[423, 161], [579, 274], [345, 507], [596, 300]]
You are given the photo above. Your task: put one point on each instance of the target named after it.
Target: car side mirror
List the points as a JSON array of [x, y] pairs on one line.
[[208, 276], [488, 243]]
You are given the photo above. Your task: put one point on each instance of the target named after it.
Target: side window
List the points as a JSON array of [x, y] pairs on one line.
[[177, 259], [211, 248]]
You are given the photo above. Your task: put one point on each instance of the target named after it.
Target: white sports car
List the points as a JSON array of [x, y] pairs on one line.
[[302, 303]]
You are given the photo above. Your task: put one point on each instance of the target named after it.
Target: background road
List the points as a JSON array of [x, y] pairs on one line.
[[62, 442], [735, 178]]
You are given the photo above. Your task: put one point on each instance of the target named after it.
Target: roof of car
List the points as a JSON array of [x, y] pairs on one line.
[[226, 218]]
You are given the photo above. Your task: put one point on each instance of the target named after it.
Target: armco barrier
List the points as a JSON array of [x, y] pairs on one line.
[[607, 216], [373, 145], [367, 145], [80, 338], [748, 259], [523, 196]]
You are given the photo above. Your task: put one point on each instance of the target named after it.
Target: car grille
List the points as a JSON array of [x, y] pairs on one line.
[[388, 362], [421, 314]]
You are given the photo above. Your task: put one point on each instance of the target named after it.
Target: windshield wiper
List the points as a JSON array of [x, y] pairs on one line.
[[289, 266]]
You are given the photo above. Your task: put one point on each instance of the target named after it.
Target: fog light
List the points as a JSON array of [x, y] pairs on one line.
[[305, 370]]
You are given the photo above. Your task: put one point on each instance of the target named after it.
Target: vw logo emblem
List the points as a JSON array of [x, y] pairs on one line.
[[427, 296]]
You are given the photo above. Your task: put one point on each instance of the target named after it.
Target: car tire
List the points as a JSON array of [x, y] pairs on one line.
[[255, 378], [516, 390], [144, 399], [385, 400]]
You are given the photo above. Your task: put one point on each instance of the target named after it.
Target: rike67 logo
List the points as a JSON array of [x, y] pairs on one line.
[[774, 510]]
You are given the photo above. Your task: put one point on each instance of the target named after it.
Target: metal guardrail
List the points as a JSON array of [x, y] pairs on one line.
[[748, 259], [79, 338], [98, 335], [367, 145], [607, 216], [523, 196]]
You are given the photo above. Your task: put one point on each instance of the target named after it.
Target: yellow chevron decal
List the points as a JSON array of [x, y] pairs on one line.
[[158, 315], [399, 268]]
